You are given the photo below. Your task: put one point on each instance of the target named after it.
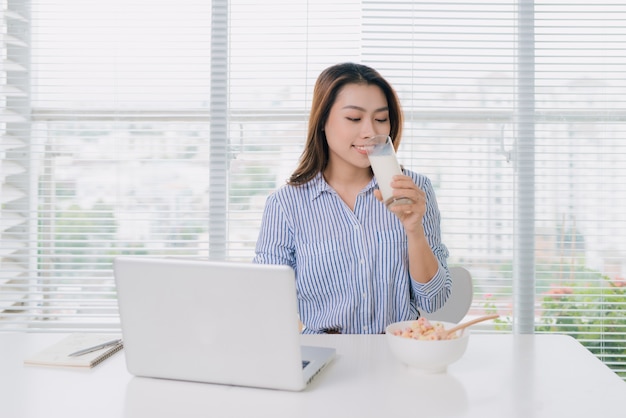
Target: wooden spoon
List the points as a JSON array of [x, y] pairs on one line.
[[452, 330]]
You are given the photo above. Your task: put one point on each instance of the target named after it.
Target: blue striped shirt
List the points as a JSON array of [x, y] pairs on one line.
[[352, 272]]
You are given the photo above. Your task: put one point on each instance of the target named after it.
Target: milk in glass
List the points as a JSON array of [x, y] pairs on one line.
[[384, 165]]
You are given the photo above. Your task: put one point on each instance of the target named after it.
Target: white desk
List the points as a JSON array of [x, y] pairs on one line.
[[500, 376]]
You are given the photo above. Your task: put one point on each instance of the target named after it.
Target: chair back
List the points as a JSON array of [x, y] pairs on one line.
[[460, 300]]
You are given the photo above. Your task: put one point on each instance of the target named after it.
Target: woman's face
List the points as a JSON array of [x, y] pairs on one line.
[[360, 111]]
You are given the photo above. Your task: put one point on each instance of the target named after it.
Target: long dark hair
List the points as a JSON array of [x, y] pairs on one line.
[[314, 158]]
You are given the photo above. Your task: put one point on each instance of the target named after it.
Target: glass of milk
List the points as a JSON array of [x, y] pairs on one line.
[[385, 165]]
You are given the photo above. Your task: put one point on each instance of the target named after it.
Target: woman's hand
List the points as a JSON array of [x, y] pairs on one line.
[[409, 214]]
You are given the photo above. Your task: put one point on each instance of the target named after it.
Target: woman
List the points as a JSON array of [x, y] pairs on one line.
[[359, 265]]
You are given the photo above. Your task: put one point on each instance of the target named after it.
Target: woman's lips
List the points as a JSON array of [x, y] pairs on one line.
[[362, 149]]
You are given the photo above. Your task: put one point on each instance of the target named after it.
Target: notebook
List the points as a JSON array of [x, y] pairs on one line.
[[215, 322], [59, 353]]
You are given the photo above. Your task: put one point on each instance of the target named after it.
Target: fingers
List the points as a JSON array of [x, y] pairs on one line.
[[403, 186]]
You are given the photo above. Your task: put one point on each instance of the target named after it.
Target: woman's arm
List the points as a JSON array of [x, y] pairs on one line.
[[427, 254], [421, 221], [275, 242]]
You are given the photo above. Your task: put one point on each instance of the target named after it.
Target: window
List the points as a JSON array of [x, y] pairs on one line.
[[133, 127]]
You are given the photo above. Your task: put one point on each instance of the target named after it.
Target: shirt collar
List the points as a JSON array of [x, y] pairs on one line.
[[319, 185]]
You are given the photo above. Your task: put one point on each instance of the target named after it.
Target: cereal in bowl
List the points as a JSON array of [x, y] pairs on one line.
[[423, 329]]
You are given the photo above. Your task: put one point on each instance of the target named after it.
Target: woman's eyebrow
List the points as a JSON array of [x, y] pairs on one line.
[[382, 109]]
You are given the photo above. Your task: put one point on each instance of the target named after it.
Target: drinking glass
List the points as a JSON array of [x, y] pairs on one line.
[[385, 165]]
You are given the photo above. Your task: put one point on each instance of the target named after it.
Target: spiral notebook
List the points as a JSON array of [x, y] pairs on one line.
[[58, 354]]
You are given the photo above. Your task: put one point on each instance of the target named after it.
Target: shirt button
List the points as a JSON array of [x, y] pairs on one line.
[[362, 261], [364, 295], [364, 327]]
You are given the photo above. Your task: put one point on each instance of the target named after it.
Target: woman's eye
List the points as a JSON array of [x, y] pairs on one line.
[[381, 120], [354, 119]]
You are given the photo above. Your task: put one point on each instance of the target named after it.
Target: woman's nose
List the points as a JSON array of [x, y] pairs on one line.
[[367, 129]]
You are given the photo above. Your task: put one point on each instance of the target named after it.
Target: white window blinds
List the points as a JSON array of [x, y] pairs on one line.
[[16, 251], [144, 127]]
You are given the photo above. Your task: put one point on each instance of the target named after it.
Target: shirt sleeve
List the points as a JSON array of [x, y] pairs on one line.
[[433, 294], [275, 244]]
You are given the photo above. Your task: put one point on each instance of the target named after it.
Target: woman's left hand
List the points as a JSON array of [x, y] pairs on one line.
[[410, 214]]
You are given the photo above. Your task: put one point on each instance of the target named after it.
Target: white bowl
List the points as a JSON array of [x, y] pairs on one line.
[[428, 356]]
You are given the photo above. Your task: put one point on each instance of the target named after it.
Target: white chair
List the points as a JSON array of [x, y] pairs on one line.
[[461, 295]]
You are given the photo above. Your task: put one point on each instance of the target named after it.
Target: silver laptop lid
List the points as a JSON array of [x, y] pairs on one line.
[[207, 321]]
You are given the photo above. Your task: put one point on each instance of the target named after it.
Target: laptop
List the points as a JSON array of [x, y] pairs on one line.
[[221, 322]]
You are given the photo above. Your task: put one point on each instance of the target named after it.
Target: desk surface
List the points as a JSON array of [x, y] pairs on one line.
[[499, 376]]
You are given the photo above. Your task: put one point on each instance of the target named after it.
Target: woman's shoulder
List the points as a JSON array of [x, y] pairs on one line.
[[420, 179], [289, 193]]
